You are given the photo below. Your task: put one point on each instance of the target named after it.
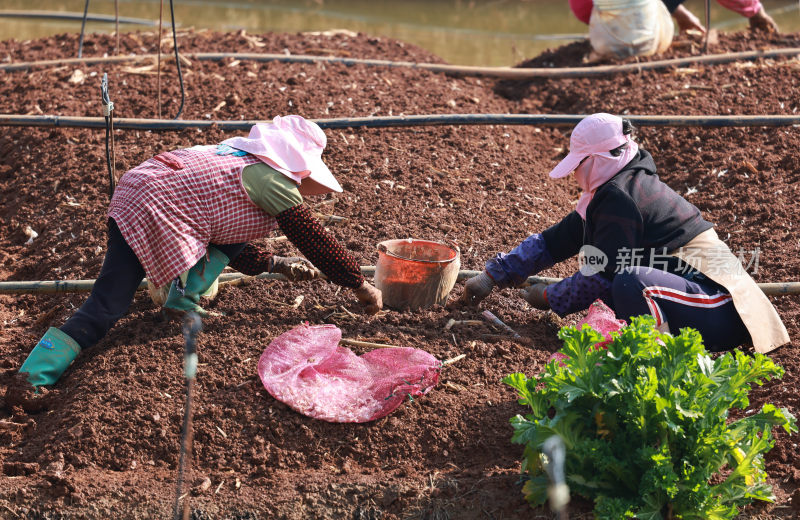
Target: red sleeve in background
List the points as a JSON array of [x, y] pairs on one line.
[[582, 9], [746, 8]]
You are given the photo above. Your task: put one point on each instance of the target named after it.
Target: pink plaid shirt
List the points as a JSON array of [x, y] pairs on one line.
[[170, 208]]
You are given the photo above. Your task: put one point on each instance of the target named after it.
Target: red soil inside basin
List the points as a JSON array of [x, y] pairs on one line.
[[107, 443]]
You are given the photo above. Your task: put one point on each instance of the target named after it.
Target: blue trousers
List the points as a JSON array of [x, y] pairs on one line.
[[701, 304], [114, 289]]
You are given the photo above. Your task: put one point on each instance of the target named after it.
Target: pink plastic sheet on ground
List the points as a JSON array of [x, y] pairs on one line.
[[308, 370], [602, 319]]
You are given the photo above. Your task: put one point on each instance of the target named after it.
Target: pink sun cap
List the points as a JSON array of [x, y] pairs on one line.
[[292, 145], [595, 134]]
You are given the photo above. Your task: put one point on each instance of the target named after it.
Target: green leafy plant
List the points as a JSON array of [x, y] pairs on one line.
[[645, 424]]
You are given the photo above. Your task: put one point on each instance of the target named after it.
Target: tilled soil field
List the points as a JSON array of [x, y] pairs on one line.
[[107, 445]]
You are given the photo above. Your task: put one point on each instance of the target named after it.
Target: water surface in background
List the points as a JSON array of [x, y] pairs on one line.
[[487, 32]]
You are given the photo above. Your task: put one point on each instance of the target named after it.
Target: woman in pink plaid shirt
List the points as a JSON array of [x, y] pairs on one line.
[[182, 216]]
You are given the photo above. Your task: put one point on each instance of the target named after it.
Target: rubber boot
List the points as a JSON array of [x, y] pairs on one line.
[[50, 357], [199, 280]]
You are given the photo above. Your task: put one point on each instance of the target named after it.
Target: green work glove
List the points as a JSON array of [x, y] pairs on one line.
[[50, 357], [199, 279]]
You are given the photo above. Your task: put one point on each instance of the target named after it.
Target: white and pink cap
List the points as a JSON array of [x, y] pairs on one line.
[[595, 134], [292, 145]]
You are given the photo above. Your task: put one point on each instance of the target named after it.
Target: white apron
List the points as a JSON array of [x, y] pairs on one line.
[[712, 257]]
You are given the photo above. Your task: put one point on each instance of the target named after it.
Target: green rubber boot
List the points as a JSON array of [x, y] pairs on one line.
[[50, 357], [198, 281]]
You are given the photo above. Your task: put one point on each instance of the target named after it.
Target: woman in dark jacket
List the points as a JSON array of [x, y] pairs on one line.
[[645, 250]]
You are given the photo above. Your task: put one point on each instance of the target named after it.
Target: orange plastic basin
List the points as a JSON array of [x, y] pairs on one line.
[[415, 274]]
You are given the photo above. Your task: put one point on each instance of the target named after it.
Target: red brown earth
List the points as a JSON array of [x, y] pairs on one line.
[[107, 444]]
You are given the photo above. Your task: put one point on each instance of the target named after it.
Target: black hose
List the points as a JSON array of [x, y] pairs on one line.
[[560, 120], [83, 29], [177, 59]]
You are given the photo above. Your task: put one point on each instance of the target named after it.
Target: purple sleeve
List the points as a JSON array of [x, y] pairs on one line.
[[577, 292], [528, 258]]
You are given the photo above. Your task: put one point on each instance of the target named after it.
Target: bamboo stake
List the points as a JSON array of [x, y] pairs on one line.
[[517, 73], [491, 318], [453, 360], [9, 426], [453, 322], [73, 286], [331, 219], [454, 386], [244, 280], [344, 309], [368, 344]]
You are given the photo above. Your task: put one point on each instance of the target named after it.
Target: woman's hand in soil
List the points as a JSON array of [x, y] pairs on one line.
[[536, 296], [477, 288], [370, 297], [687, 21], [294, 268], [761, 21]]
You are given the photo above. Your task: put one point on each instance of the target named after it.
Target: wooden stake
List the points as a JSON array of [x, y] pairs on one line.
[[368, 344], [348, 312], [331, 219], [453, 360], [491, 318], [452, 322], [237, 281], [454, 386], [7, 426]]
